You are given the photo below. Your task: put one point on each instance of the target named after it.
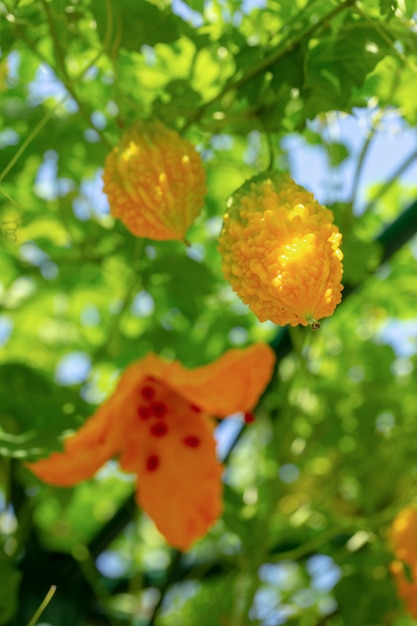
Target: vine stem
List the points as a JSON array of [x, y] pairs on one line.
[[379, 115], [170, 578], [43, 605], [51, 112], [367, 144], [65, 76], [398, 172], [131, 290], [299, 552], [30, 138], [271, 151], [362, 156], [10, 199], [274, 57]]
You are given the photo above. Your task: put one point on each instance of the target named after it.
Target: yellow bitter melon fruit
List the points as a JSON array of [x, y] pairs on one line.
[[280, 251], [155, 181]]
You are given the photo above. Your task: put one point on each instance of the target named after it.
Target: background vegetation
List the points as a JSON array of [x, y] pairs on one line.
[[311, 487]]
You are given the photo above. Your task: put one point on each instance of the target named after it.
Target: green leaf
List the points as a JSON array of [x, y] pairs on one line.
[[338, 153], [379, 598], [33, 412], [172, 277], [388, 7], [179, 101], [338, 63], [395, 83], [290, 69], [140, 23]]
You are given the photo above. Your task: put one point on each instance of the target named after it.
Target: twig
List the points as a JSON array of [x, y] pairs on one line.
[[131, 290], [49, 114], [385, 187], [170, 578], [30, 138], [43, 606], [306, 548], [362, 156], [62, 70], [271, 151]]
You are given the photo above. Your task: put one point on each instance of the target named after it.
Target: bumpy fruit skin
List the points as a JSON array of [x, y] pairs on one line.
[[281, 251], [155, 182], [403, 538]]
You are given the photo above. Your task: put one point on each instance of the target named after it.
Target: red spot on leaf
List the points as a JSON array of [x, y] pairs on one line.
[[143, 412], [158, 409], [249, 418], [192, 441], [195, 408], [147, 393], [152, 462], [159, 429]]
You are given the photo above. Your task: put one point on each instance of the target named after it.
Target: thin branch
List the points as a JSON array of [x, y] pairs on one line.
[[169, 580], [368, 141], [47, 117], [30, 138], [106, 44], [131, 290], [62, 71], [55, 40], [295, 554], [43, 606], [271, 151], [109, 26], [13, 201], [394, 177], [398, 233], [361, 160], [234, 443]]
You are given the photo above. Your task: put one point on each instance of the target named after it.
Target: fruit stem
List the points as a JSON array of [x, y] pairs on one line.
[[315, 325]]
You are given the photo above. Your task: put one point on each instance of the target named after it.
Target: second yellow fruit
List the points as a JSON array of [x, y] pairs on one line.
[[281, 251]]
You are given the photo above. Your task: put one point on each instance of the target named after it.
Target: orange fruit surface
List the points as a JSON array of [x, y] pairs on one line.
[[280, 251], [403, 538], [155, 181]]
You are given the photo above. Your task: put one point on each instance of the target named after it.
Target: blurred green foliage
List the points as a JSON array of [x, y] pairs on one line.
[[311, 488]]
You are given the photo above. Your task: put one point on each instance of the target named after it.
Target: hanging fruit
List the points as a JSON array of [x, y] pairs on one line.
[[155, 182], [281, 251]]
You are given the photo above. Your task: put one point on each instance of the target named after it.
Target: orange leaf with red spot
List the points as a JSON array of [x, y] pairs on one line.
[[159, 422]]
